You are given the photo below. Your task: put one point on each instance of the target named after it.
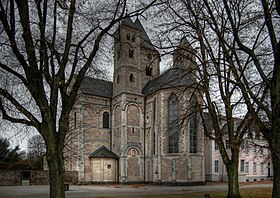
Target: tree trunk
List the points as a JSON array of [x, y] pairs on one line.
[[275, 151], [233, 183], [276, 172], [274, 139], [56, 173]]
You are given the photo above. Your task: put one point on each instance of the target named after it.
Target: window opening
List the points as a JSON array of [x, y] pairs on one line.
[[227, 144], [216, 165], [216, 146], [130, 53], [254, 168], [106, 120], [131, 78], [247, 167], [75, 120], [242, 166], [149, 71], [118, 79], [133, 153], [193, 127], [173, 135], [154, 124]]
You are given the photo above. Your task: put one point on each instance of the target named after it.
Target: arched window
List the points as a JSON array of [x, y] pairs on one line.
[[130, 53], [133, 38], [128, 36], [173, 132], [193, 127], [133, 152], [118, 79], [149, 71], [75, 120], [154, 126], [106, 120], [131, 78]]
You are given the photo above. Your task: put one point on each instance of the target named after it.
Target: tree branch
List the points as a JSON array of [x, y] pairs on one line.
[[32, 120]]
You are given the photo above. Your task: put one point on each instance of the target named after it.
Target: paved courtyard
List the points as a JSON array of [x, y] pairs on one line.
[[77, 191]]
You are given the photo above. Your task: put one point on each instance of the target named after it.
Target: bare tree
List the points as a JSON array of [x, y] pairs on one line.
[[47, 47], [238, 55], [36, 149], [263, 101]]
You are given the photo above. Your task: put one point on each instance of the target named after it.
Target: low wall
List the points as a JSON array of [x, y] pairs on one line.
[[15, 178]]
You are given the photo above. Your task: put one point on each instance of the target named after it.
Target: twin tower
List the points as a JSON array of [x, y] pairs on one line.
[[143, 126], [136, 61], [151, 134]]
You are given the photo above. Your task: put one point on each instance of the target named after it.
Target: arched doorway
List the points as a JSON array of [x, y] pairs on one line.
[[133, 166]]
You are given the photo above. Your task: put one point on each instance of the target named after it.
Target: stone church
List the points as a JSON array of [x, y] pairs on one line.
[[143, 126]]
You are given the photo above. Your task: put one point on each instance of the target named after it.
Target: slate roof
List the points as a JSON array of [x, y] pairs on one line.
[[128, 22], [208, 123], [144, 38], [103, 152], [184, 43], [237, 122], [173, 77], [97, 87], [224, 129]]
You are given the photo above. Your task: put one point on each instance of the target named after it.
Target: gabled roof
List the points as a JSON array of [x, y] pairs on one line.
[[128, 22], [103, 152], [144, 38], [184, 43], [224, 125], [208, 123], [236, 123], [97, 87], [173, 77]]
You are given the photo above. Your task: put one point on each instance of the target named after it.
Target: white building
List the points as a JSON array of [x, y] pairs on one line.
[[254, 158]]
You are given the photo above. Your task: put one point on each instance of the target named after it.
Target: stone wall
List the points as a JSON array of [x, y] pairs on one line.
[[10, 178], [15, 178]]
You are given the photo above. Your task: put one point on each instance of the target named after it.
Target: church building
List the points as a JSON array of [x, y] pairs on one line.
[[142, 127]]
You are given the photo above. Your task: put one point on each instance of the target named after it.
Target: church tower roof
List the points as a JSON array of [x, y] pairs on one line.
[[128, 22], [184, 43], [145, 40]]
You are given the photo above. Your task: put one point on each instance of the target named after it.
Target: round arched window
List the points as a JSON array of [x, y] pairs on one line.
[[133, 152], [106, 120]]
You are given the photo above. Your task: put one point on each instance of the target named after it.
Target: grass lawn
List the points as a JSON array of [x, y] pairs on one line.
[[245, 193]]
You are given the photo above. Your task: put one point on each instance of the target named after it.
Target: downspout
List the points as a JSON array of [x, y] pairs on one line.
[[111, 124], [144, 148]]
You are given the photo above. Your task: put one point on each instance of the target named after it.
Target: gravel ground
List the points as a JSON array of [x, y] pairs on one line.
[[77, 191]]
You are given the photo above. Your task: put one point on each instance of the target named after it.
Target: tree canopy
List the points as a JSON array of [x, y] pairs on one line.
[[47, 48], [11, 158]]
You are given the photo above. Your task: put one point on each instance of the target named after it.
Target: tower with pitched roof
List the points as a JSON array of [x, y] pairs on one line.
[[134, 129], [136, 61]]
